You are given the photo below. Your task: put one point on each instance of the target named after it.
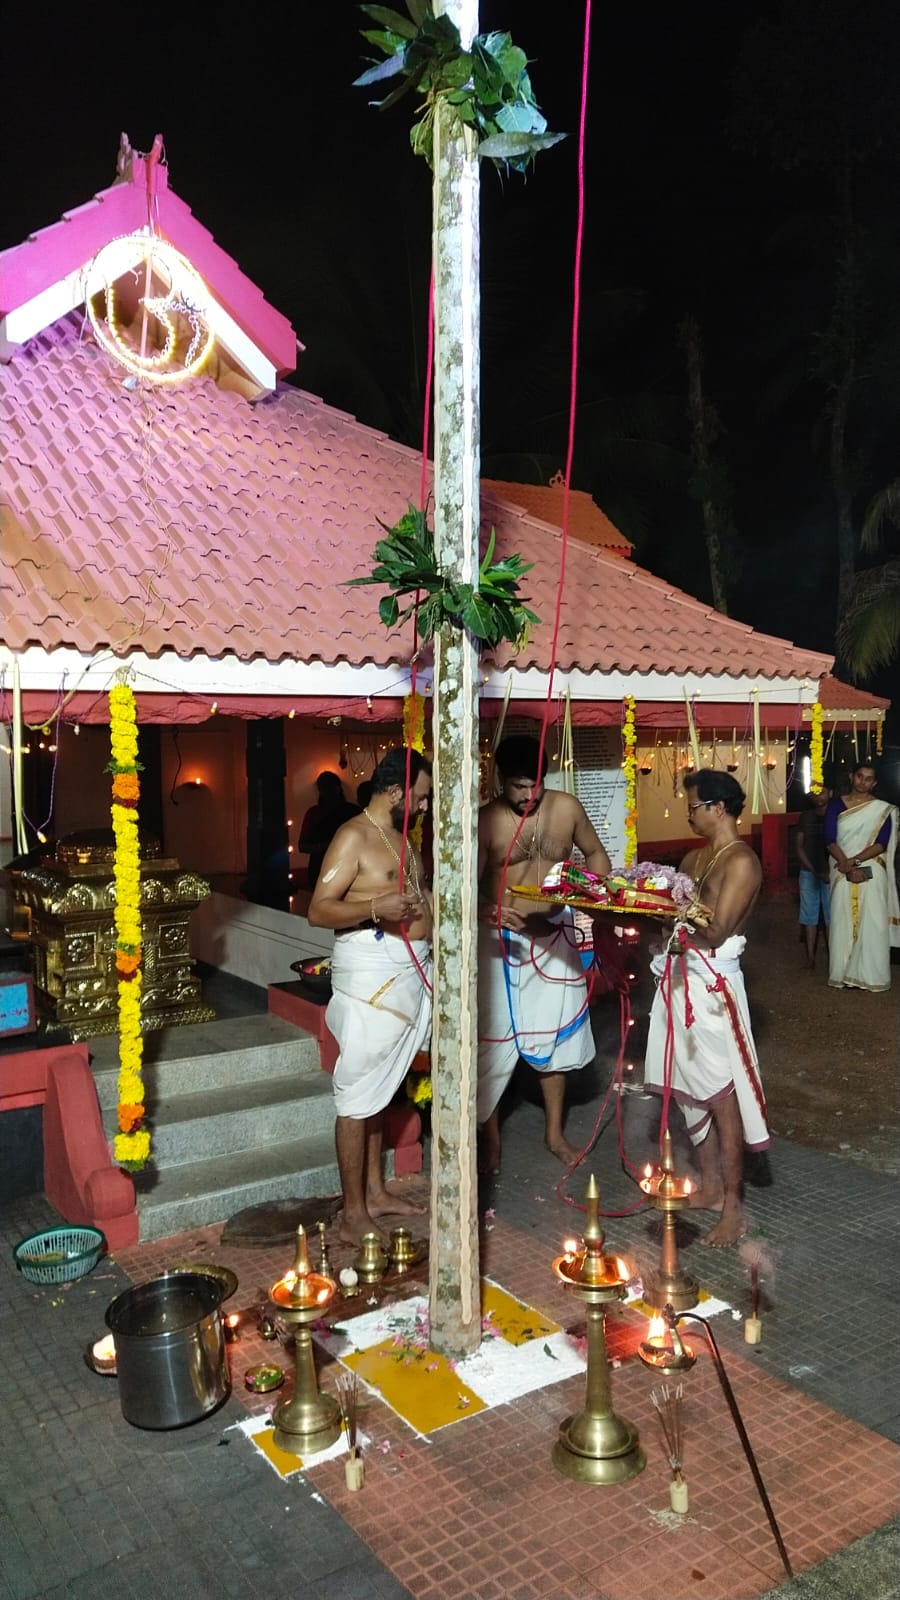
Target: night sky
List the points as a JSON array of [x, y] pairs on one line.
[[320, 199]]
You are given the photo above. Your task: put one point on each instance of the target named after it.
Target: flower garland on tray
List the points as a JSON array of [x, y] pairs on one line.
[[629, 765], [816, 779], [132, 1142]]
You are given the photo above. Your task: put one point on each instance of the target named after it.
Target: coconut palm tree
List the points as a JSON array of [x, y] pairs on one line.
[[869, 634]]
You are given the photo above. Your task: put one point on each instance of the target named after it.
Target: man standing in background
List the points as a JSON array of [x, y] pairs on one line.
[[815, 895]]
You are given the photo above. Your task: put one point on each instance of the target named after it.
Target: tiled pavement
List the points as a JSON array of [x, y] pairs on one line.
[[91, 1506]]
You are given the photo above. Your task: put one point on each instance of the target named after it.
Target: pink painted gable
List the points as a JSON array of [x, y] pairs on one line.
[[66, 246]]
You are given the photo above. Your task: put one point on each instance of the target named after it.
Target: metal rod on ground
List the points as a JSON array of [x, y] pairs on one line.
[[689, 1316]]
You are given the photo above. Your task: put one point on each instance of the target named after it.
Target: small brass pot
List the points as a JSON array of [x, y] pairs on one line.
[[371, 1261]]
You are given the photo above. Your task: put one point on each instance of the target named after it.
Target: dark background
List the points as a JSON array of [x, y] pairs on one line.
[[710, 189]]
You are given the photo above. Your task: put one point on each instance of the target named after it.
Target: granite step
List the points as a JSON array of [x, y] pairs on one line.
[[175, 1199], [240, 1116], [209, 1055]]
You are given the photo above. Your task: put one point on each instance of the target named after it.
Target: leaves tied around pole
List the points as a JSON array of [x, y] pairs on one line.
[[408, 565], [487, 87]]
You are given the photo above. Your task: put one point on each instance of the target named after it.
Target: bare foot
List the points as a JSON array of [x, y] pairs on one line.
[[706, 1200], [351, 1228], [564, 1152], [386, 1202], [731, 1228]]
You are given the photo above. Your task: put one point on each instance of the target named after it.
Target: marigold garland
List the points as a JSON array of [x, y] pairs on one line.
[[629, 766], [414, 737], [816, 747], [879, 737], [132, 1143]]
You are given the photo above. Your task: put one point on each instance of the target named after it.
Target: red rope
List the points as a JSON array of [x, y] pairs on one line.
[[413, 672], [570, 445]]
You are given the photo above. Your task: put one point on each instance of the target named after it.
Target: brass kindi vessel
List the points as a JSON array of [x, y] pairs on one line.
[[595, 1445], [670, 1285], [309, 1420], [371, 1261]]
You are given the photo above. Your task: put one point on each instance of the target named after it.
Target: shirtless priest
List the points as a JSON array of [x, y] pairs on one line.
[[532, 993], [380, 1007], [714, 1071]]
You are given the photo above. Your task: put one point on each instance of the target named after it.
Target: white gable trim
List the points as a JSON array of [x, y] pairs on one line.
[[30, 319]]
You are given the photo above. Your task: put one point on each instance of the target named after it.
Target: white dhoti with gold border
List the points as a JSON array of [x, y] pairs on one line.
[[380, 1015]]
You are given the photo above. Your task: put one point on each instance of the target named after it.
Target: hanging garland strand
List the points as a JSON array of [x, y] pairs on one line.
[[816, 778], [629, 764], [132, 1142]]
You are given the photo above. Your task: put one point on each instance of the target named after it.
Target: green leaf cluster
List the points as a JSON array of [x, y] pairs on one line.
[[407, 564], [488, 87]]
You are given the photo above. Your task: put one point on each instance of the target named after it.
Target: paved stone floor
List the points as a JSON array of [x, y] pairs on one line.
[[91, 1506]]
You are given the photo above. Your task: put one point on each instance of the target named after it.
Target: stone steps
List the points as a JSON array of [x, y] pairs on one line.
[[174, 1199], [240, 1113]]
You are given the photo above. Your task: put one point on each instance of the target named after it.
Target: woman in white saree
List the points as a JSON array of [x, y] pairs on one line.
[[861, 838]]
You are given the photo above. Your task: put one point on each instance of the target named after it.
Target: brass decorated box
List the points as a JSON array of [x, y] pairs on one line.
[[71, 896]]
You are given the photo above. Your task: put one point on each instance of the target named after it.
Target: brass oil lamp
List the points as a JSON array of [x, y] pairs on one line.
[[595, 1445], [670, 1285], [309, 1420]]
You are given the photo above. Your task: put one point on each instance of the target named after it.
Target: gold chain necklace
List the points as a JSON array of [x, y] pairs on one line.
[[411, 876], [715, 858], [532, 850]]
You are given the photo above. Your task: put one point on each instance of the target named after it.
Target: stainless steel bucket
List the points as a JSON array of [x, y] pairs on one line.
[[170, 1350]]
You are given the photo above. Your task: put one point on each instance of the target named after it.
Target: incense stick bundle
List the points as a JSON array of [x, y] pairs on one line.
[[667, 1400], [348, 1399]]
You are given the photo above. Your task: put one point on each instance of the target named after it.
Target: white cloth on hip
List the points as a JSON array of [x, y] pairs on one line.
[[532, 1002], [707, 1063], [865, 918], [380, 1015]]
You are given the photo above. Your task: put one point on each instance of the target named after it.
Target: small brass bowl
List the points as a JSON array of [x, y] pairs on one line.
[[263, 1378]]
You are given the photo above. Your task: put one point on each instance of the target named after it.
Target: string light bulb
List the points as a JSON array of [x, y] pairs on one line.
[[185, 295]]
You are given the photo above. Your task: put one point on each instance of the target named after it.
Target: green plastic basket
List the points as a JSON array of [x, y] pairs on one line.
[[60, 1255]]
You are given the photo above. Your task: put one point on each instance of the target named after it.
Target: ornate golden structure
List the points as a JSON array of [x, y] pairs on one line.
[[71, 896]]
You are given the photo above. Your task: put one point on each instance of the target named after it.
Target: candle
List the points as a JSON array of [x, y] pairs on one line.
[[232, 1323], [678, 1495], [105, 1349]]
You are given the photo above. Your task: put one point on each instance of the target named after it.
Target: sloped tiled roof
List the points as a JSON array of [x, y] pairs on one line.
[[187, 519], [837, 696], [586, 520]]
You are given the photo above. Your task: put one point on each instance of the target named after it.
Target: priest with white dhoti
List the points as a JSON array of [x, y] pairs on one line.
[[861, 839], [700, 1049], [372, 892]]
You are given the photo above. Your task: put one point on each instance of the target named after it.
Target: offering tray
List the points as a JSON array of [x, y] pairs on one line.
[[655, 905], [665, 906]]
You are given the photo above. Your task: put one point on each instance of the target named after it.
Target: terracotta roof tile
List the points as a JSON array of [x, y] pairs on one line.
[[243, 521]]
